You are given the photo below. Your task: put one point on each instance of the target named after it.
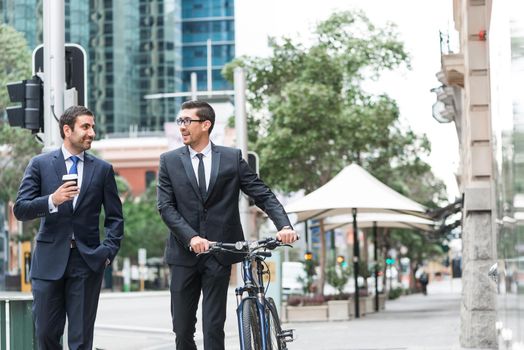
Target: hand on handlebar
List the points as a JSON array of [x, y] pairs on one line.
[[199, 245], [287, 235]]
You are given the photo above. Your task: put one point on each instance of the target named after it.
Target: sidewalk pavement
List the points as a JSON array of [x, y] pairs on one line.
[[139, 321], [412, 322]]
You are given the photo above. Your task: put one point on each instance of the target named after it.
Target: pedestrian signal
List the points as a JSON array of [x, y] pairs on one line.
[[341, 260]]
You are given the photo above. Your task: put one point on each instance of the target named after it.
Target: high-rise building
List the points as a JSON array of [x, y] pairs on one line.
[[204, 20], [136, 48], [25, 16]]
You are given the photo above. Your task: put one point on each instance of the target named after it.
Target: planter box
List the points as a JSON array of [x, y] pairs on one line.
[[339, 310], [306, 313], [382, 301], [369, 301], [362, 308]]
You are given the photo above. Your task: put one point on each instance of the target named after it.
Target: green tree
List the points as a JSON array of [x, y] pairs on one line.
[[308, 109], [17, 146], [309, 115], [15, 61], [143, 226], [338, 276]]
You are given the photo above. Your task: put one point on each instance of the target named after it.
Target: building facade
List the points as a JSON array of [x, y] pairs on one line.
[[204, 20], [484, 82], [137, 48]]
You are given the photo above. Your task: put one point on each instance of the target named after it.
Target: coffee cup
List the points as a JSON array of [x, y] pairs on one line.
[[70, 177]]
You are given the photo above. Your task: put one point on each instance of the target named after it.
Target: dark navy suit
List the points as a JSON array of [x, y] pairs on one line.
[[215, 217], [66, 279]]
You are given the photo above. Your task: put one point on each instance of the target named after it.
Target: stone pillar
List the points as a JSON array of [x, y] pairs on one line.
[[478, 307]]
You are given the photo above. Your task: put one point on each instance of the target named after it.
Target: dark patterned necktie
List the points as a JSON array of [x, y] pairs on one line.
[[201, 176]]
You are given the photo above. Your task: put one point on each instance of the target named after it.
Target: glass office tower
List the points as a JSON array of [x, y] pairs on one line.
[[25, 16], [203, 20], [507, 106], [134, 48]]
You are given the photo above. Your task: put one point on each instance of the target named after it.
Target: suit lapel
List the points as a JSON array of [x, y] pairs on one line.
[[87, 175], [215, 164], [188, 167], [59, 164]]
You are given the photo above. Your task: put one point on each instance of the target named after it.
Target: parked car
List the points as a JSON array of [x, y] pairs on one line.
[[293, 273]]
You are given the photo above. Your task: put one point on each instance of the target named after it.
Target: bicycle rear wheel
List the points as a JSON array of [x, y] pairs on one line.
[[251, 330], [274, 339]]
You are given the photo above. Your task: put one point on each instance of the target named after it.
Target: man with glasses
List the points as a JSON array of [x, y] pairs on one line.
[[198, 190]]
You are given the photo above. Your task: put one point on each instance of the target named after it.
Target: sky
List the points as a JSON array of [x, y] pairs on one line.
[[418, 25]]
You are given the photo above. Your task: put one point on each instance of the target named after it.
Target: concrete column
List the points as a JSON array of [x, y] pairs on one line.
[[478, 307]]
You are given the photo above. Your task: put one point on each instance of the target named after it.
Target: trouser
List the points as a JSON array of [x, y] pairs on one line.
[[212, 279], [75, 295]]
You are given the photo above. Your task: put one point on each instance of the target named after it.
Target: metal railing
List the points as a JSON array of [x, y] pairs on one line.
[[16, 322]]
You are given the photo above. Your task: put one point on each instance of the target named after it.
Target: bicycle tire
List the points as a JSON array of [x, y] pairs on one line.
[[251, 330], [274, 339]]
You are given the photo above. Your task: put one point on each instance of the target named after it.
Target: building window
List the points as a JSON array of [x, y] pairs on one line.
[[150, 177]]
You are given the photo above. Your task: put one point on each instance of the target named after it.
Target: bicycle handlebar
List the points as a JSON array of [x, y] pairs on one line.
[[246, 246]]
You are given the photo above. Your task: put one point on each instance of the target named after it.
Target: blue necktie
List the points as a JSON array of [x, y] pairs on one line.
[[74, 168]]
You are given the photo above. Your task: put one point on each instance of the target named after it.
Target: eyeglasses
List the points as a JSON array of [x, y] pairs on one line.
[[188, 121]]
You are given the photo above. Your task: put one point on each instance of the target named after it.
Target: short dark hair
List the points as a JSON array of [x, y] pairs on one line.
[[69, 117], [204, 111]]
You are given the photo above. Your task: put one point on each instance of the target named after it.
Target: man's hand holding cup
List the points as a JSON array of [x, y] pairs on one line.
[[67, 191]]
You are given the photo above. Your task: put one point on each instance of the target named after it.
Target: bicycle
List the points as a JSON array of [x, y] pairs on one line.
[[258, 321]]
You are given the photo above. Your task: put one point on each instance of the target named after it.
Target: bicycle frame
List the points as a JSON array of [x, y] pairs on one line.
[[266, 315], [255, 289]]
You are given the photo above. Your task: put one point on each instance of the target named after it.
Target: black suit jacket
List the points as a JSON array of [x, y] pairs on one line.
[[42, 177], [216, 217]]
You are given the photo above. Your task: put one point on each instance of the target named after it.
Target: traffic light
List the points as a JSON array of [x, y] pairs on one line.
[[390, 261], [309, 265], [341, 260], [308, 256], [30, 114]]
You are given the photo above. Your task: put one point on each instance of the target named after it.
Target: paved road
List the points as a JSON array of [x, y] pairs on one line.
[[415, 322], [142, 321]]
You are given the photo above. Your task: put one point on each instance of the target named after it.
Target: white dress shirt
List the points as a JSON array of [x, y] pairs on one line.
[[69, 164], [206, 159]]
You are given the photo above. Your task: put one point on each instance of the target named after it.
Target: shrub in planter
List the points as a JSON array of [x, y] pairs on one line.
[[340, 296], [304, 300], [338, 276], [395, 293], [294, 300], [313, 300], [308, 279], [363, 292]]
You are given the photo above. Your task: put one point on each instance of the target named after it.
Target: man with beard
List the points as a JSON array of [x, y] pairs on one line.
[[68, 262], [198, 189]]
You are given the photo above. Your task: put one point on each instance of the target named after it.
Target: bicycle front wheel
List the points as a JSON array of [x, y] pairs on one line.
[[274, 338], [251, 331]]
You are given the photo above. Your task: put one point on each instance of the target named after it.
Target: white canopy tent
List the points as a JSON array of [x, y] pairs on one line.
[[392, 220], [353, 190]]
